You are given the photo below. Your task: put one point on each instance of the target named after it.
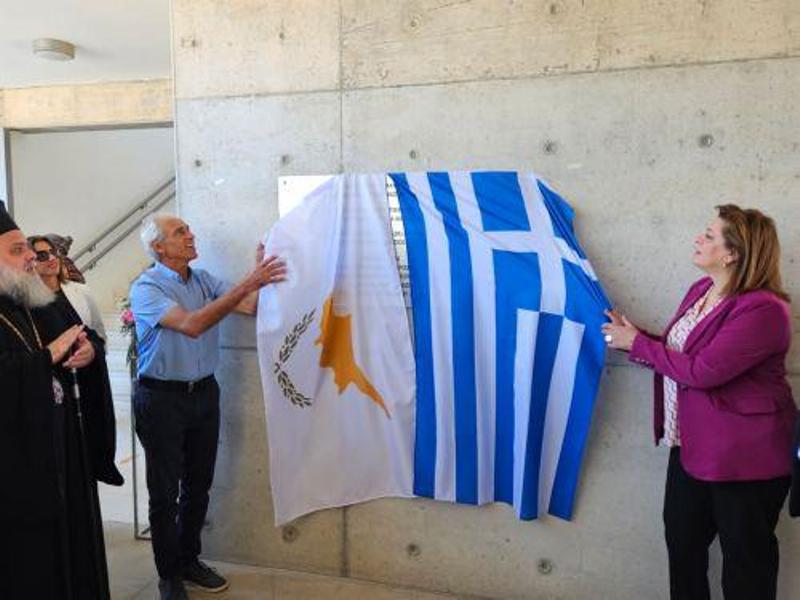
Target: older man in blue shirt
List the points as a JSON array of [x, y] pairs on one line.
[[176, 402]]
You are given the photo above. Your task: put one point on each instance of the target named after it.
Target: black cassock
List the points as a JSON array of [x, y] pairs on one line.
[[51, 538]]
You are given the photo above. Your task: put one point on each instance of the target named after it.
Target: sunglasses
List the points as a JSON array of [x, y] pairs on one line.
[[44, 255]]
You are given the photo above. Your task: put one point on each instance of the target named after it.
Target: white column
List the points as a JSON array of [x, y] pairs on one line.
[[5, 169]]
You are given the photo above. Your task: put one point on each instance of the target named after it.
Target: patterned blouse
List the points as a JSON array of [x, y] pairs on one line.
[[676, 339]]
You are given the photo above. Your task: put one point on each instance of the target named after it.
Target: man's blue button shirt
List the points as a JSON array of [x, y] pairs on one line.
[[164, 353]]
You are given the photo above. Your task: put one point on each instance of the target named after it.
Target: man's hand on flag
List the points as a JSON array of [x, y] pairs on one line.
[[269, 270]]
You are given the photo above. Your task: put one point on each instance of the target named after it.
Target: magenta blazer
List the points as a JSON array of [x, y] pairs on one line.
[[735, 408]]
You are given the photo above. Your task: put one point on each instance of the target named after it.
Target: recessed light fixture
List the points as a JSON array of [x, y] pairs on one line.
[[52, 49]]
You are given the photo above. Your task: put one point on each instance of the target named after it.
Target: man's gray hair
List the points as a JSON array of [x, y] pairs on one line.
[[151, 232]]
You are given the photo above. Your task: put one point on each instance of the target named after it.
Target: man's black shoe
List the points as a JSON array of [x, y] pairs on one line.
[[172, 589], [199, 575]]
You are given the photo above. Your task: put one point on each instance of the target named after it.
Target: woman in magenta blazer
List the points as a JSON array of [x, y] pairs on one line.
[[724, 407]]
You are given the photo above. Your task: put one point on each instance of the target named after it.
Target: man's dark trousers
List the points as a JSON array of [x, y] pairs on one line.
[[179, 430]]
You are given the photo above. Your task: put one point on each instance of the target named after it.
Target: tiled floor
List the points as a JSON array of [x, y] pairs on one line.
[[132, 573], [116, 503], [133, 578], [130, 562]]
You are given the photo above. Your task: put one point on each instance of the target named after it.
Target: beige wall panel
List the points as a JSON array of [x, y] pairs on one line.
[[626, 149], [230, 155], [88, 105], [237, 47], [643, 154], [386, 43], [613, 547]]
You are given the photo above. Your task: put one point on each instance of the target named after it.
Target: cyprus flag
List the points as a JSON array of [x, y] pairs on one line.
[[335, 352]]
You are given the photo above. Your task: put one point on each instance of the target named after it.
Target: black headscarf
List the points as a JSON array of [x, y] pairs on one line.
[[6, 222]]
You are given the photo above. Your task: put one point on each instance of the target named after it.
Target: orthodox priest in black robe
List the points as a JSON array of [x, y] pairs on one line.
[[56, 438]]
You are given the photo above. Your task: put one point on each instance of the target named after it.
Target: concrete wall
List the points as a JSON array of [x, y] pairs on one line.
[[80, 182], [643, 114]]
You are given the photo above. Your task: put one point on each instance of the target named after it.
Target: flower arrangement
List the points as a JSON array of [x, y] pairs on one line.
[[128, 328]]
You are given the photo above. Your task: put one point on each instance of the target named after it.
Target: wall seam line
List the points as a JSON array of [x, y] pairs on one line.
[[341, 89], [531, 77], [345, 547]]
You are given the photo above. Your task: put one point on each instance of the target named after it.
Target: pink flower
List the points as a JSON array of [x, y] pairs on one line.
[[127, 317]]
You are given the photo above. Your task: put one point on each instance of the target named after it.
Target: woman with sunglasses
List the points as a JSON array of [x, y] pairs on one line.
[[85, 429], [71, 297]]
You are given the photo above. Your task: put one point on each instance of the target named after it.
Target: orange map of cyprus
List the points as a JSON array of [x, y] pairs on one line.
[[336, 340]]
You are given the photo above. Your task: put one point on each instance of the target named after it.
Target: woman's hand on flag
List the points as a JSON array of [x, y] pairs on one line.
[[620, 332]]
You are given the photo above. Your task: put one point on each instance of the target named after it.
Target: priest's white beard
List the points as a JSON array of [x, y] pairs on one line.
[[25, 289]]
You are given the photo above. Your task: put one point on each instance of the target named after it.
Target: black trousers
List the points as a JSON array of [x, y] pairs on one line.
[[179, 432], [744, 515]]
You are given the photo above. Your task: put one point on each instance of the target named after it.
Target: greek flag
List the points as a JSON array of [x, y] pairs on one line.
[[508, 350]]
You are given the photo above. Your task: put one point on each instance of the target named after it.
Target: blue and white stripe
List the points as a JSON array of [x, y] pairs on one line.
[[507, 314]]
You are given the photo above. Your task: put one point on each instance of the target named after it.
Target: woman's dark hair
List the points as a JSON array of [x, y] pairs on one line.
[[63, 276]]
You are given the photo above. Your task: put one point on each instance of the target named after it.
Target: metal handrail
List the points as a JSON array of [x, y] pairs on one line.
[[90, 247], [116, 241]]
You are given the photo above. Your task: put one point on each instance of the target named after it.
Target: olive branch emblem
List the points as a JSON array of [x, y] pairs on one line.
[[289, 344]]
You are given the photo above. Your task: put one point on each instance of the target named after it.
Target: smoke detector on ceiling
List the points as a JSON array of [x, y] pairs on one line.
[[52, 49]]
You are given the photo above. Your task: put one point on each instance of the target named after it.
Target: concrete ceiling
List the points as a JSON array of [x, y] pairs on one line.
[[115, 39]]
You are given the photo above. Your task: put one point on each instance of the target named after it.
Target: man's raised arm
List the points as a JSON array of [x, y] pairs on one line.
[[239, 298]]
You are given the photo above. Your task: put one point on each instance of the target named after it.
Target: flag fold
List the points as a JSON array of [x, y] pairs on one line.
[[485, 395], [335, 354]]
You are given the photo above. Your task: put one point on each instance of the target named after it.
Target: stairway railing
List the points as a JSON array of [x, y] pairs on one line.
[[114, 234]]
